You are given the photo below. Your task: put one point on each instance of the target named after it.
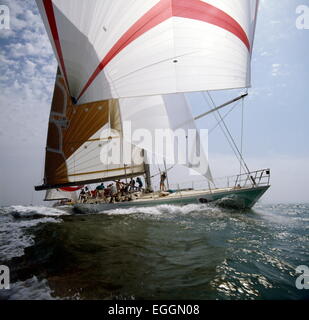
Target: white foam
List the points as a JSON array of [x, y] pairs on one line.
[[13, 236], [162, 210], [28, 212], [31, 289], [14, 239]]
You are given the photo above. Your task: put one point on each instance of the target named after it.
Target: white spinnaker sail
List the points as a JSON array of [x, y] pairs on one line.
[[165, 115], [127, 48]]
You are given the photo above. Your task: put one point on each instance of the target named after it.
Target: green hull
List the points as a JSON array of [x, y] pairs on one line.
[[244, 198]]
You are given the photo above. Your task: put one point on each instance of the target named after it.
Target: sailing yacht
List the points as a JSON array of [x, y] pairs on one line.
[[128, 65]]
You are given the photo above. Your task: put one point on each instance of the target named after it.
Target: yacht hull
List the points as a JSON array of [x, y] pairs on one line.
[[244, 198]]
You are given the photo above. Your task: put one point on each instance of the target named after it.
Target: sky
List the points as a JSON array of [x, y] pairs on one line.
[[276, 111]]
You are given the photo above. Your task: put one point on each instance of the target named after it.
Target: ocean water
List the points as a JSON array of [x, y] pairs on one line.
[[164, 252]]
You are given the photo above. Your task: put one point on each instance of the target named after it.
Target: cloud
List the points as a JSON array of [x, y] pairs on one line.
[[27, 69], [27, 75], [265, 53], [280, 70], [275, 69]]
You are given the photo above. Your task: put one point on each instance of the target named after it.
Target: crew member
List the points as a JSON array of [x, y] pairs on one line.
[[140, 183], [162, 181]]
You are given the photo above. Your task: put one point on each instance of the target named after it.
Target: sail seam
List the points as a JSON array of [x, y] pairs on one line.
[[165, 9]]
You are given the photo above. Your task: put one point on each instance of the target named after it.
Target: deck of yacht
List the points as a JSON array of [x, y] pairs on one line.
[[153, 196], [245, 188]]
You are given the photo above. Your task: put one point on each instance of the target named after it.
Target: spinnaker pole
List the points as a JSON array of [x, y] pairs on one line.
[[221, 106]]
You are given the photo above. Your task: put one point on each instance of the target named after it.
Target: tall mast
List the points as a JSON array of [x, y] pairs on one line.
[[147, 173], [165, 169]]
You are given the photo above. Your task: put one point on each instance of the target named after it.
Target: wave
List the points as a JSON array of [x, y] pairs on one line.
[[31, 289], [35, 212], [165, 209], [14, 238], [15, 222]]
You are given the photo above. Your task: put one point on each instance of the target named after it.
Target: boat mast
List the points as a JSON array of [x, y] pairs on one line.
[[147, 173], [165, 169]]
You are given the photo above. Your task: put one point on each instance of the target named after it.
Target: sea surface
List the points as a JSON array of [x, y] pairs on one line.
[[164, 252]]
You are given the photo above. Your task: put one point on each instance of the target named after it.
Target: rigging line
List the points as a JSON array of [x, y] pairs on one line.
[[101, 142], [89, 151], [235, 105], [170, 168], [242, 132], [223, 131], [231, 137], [89, 142], [220, 107], [100, 145], [155, 175], [92, 166], [88, 160], [83, 149], [157, 163]]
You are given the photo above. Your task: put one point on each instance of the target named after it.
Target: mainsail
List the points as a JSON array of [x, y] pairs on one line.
[[127, 48], [75, 141], [60, 194]]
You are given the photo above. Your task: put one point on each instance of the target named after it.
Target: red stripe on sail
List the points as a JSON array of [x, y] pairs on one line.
[[202, 11], [165, 9], [159, 13], [49, 9]]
